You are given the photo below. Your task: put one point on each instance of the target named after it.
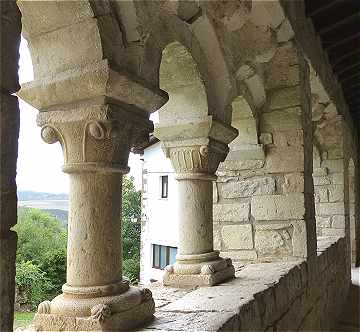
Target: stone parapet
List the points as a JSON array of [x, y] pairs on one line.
[[278, 296]]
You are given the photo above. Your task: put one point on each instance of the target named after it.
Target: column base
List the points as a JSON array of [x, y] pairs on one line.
[[203, 273], [108, 313]]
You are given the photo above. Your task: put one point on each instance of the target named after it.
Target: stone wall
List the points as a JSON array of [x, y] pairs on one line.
[[277, 296], [264, 203], [10, 29]]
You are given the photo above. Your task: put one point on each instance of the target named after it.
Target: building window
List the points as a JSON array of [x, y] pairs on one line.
[[163, 256], [164, 186]]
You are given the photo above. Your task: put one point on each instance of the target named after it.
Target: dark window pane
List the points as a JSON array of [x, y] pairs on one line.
[[156, 256], [164, 186], [173, 252], [163, 257]]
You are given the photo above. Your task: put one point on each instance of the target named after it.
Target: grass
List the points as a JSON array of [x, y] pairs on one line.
[[23, 319]]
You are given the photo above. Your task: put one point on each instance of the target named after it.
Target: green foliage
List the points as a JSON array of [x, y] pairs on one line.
[[131, 269], [39, 236], [32, 283], [41, 256], [131, 229], [23, 319]]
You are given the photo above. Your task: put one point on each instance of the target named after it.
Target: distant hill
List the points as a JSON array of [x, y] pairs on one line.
[[59, 214], [40, 196]]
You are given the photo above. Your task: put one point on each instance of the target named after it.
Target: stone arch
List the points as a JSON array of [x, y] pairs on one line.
[[246, 145], [201, 41], [78, 53], [180, 78]]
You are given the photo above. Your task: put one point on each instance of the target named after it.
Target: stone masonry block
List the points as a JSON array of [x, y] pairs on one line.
[[299, 239], [281, 120], [329, 209], [278, 207], [294, 183], [288, 138], [336, 193], [285, 160], [237, 236], [247, 188], [235, 212], [273, 242], [333, 165], [338, 222], [321, 194], [320, 171], [321, 180], [323, 221], [285, 98]]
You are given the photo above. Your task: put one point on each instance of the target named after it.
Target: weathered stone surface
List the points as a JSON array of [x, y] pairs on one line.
[[278, 207], [10, 41], [234, 212], [321, 180], [299, 239], [247, 188], [320, 171], [266, 138], [240, 165], [285, 98], [329, 209], [285, 32], [286, 159], [321, 194], [323, 221], [338, 222], [237, 237], [294, 183], [273, 241], [240, 255], [286, 120], [8, 242], [333, 165], [336, 193], [288, 138]]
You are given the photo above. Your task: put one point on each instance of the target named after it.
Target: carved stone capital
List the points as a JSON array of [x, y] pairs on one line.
[[94, 137], [198, 161], [196, 148]]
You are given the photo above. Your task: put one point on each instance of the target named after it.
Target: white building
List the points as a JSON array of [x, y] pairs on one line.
[[159, 233]]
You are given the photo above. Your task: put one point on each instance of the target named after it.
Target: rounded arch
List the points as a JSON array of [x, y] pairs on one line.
[[67, 35], [201, 41], [180, 78]]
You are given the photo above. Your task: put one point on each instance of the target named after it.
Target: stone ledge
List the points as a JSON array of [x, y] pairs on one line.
[[282, 295]]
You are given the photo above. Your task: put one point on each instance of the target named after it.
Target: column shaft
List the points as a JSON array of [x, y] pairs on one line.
[[195, 209], [94, 239]]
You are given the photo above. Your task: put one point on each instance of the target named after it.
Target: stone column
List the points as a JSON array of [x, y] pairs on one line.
[[96, 139], [10, 34], [195, 160]]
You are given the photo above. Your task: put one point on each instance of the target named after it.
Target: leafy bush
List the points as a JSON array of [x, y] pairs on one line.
[[41, 256], [131, 229], [131, 269], [32, 283]]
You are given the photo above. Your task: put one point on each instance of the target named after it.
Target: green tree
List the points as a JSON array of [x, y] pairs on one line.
[[131, 229], [41, 255], [39, 235]]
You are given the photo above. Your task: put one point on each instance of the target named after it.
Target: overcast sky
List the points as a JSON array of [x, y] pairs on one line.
[[39, 164]]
